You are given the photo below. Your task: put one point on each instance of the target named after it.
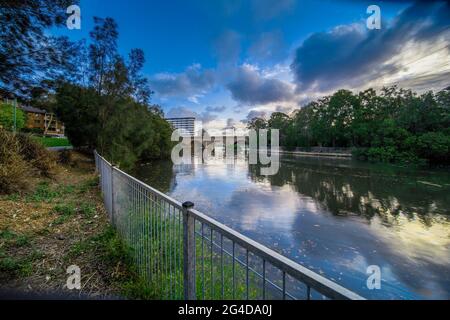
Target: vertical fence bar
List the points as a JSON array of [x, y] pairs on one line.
[[113, 219], [189, 252], [234, 273], [221, 266], [212, 265], [264, 279], [246, 275], [203, 266]]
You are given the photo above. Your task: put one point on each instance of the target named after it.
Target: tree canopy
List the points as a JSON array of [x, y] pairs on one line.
[[393, 125], [112, 111], [28, 55], [101, 96]]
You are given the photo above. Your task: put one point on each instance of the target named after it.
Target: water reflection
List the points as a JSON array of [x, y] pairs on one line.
[[334, 216]]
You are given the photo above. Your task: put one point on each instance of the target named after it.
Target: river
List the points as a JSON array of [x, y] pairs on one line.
[[334, 216]]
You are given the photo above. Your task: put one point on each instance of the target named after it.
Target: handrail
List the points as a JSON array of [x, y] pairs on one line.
[[313, 280]]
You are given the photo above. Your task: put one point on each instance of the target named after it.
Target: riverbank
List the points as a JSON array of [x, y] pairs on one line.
[[317, 154], [60, 222]]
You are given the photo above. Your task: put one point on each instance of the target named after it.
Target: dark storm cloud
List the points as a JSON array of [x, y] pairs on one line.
[[352, 54], [248, 86], [284, 109], [193, 80], [254, 114]]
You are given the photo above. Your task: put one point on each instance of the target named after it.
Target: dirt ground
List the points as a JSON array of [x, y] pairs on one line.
[[61, 223]]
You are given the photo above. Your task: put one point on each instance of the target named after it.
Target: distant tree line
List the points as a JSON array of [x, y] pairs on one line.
[[102, 97], [393, 125]]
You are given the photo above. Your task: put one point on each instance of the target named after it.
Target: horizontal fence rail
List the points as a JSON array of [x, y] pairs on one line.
[[182, 253]]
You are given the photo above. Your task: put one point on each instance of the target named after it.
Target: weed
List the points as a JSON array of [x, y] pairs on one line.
[[19, 266], [65, 211], [10, 238], [43, 193], [13, 197], [87, 185], [87, 209]]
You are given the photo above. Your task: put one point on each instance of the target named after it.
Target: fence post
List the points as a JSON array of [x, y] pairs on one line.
[[188, 252], [96, 161], [112, 195]]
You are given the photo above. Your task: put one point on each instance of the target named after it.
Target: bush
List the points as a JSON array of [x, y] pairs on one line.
[[37, 155], [434, 146], [13, 168], [20, 159]]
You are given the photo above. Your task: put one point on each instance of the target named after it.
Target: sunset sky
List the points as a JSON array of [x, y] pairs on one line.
[[225, 61]]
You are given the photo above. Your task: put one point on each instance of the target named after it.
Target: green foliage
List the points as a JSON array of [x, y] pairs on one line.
[[115, 254], [9, 238], [64, 212], [7, 117], [394, 125], [112, 112], [28, 54], [19, 266], [87, 209], [43, 193], [121, 129], [66, 209]]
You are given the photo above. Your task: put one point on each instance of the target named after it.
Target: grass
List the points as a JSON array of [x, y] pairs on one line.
[[53, 142], [64, 212], [43, 193], [63, 217], [9, 238], [16, 266], [158, 256], [117, 261]]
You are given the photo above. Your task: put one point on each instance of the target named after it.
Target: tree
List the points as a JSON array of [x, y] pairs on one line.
[[77, 107], [27, 54], [282, 122], [394, 125], [257, 123], [102, 51], [141, 90]]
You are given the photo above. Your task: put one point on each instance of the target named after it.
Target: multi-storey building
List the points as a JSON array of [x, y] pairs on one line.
[[43, 120], [186, 125]]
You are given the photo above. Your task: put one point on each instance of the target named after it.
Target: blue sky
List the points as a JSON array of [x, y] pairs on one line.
[[226, 60]]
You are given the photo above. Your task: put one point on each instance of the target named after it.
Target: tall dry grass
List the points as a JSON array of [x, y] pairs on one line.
[[21, 160]]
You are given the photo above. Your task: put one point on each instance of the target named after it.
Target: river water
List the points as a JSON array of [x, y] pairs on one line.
[[334, 216]]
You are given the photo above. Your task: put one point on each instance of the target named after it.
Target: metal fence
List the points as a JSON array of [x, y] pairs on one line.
[[182, 253]]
